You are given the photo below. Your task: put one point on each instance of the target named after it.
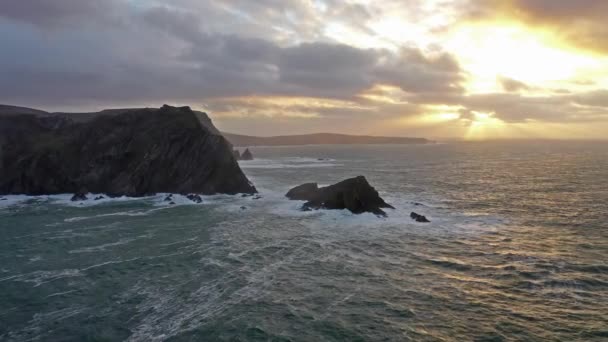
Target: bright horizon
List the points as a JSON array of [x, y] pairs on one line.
[[449, 69]]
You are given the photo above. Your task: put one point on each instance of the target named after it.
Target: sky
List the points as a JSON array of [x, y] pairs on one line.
[[465, 69]]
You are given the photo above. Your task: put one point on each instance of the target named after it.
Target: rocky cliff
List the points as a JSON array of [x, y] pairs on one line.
[[134, 152]]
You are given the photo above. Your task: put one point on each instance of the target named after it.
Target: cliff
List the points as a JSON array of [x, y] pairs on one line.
[[133, 152]]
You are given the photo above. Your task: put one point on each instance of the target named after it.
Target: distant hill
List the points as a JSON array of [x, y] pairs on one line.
[[318, 139], [15, 110]]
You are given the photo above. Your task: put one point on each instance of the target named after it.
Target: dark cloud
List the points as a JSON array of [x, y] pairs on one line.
[[334, 69], [60, 13], [511, 85], [515, 108], [414, 72], [169, 53]]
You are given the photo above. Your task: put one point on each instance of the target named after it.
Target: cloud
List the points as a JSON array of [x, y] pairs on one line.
[[168, 53], [60, 13], [511, 85], [597, 98], [515, 108], [246, 59], [581, 23]]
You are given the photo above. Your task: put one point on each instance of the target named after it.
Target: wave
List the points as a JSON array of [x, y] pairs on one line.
[[63, 199], [271, 200], [102, 247], [120, 213]]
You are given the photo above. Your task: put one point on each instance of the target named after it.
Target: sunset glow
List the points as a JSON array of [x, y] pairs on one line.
[[537, 69]]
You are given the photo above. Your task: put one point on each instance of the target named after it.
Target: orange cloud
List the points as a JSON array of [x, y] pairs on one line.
[[579, 23]]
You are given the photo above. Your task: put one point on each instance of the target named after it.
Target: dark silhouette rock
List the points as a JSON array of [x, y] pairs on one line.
[[195, 198], [354, 194], [419, 218], [171, 203], [247, 155], [257, 197], [168, 198], [137, 152], [304, 192], [3, 199], [80, 196], [237, 154], [243, 208], [99, 198]]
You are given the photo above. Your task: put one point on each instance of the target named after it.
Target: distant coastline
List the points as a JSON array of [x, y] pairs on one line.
[[319, 139]]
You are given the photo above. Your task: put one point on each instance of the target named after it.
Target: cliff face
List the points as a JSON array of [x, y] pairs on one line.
[[134, 152]]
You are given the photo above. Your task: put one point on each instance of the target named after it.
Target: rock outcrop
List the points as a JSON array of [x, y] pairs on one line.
[[135, 152], [237, 154], [354, 194], [195, 198], [419, 218], [247, 155], [80, 196], [304, 192]]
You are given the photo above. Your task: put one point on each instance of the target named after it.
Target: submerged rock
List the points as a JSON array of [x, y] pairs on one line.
[[247, 155], [135, 152], [99, 198], [419, 218], [80, 196], [168, 198], [354, 194]]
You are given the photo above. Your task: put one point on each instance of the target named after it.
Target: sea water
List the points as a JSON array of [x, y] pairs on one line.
[[517, 250]]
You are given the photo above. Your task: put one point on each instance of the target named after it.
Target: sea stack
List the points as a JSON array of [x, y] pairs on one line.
[[247, 155], [354, 194], [131, 152]]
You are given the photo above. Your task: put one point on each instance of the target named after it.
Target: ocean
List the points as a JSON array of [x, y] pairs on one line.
[[517, 250]]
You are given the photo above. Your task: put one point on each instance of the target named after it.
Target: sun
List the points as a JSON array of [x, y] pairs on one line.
[[485, 126], [489, 51]]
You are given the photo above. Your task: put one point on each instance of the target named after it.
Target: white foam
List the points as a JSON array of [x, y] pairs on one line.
[[66, 199], [443, 220], [63, 199], [42, 277], [120, 213], [100, 248]]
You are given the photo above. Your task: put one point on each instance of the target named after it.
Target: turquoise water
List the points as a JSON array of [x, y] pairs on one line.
[[517, 251]]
